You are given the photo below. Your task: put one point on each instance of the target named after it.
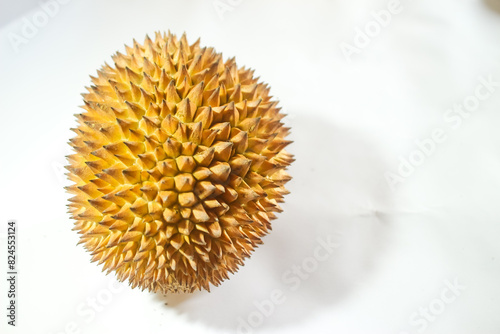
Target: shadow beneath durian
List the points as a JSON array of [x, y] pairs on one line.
[[338, 190]]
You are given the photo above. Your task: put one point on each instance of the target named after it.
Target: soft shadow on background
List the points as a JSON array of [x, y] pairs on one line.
[[493, 4], [338, 190]]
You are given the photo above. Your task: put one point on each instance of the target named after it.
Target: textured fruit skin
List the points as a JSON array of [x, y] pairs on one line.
[[179, 165]]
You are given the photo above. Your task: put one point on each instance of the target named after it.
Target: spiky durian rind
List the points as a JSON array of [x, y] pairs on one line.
[[178, 166]]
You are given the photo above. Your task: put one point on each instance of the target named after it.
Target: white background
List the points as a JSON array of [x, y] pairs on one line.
[[353, 121]]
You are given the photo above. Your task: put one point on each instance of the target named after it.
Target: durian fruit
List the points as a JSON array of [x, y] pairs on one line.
[[179, 165]]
